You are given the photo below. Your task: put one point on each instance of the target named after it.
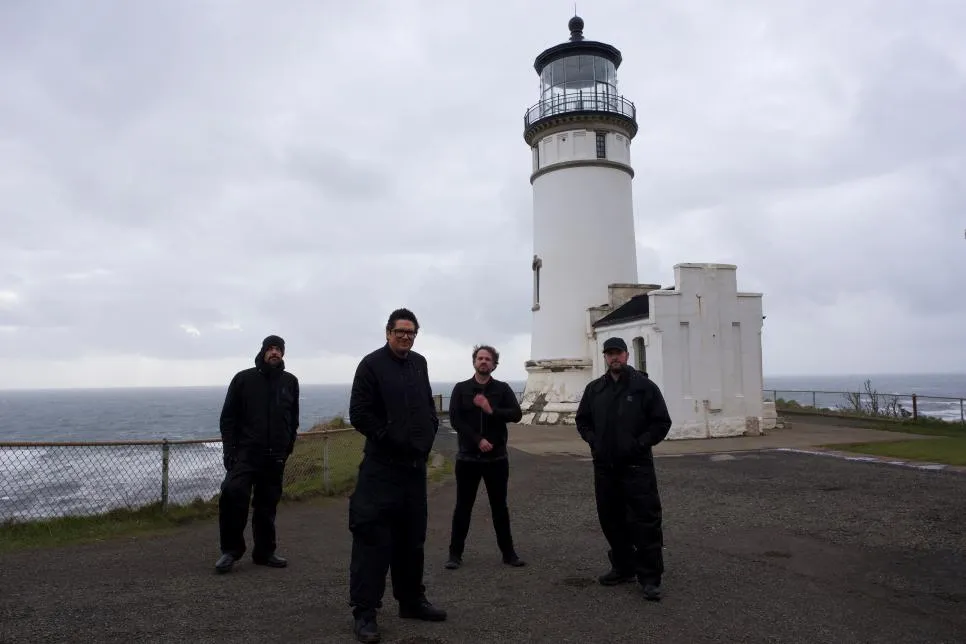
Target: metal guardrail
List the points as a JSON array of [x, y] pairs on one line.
[[590, 101], [873, 403]]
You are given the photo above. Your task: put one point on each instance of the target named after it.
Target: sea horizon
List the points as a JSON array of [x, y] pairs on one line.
[[859, 377]]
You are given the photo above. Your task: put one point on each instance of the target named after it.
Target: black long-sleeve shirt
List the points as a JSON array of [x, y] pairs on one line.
[[473, 424], [392, 405]]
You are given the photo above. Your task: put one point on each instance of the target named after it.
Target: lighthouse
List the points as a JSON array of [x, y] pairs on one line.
[[699, 339], [579, 132]]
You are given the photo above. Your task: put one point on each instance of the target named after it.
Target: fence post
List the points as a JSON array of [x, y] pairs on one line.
[[326, 482], [814, 405], [962, 412], [915, 407], [439, 402], [165, 454]]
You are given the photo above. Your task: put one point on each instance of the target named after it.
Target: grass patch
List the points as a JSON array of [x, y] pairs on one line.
[[305, 478], [950, 450], [926, 427]]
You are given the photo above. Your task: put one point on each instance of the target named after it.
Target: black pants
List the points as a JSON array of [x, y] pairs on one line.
[[387, 517], [495, 476], [263, 476], [629, 509]]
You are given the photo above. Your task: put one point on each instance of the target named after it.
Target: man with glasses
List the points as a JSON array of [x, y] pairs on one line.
[[392, 405]]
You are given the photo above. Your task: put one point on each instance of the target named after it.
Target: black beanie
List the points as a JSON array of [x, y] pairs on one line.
[[273, 340]]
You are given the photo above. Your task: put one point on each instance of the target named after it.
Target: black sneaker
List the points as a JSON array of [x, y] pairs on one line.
[[225, 563], [366, 629]]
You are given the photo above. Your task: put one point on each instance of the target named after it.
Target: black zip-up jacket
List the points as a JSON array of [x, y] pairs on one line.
[[622, 420], [473, 424], [261, 412], [392, 405]]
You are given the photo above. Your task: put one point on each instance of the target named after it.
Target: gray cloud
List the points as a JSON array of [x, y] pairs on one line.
[[180, 179]]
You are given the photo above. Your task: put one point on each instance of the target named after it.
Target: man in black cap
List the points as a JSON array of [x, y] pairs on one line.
[[622, 415], [259, 421], [392, 405]]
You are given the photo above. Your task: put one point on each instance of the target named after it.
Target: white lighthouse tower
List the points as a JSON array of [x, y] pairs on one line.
[[580, 134]]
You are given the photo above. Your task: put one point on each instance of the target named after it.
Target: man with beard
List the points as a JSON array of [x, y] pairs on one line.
[[479, 410], [392, 405], [259, 421], [622, 415]]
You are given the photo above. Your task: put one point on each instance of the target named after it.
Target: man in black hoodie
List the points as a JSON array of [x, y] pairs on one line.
[[392, 405], [259, 421], [479, 409], [622, 415]]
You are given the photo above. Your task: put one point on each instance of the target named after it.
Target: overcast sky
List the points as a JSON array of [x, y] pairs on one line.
[[180, 178]]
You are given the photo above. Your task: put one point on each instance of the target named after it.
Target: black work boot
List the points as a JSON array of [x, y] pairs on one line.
[[423, 610], [514, 560], [652, 591], [616, 575], [366, 629], [454, 562]]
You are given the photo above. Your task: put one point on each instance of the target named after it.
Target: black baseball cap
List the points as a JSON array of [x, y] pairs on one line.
[[614, 343]]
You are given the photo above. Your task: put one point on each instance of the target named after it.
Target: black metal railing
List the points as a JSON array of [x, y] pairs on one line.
[[870, 403], [580, 102]]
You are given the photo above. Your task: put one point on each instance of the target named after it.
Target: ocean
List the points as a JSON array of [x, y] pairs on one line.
[[45, 481], [192, 412], [939, 395]]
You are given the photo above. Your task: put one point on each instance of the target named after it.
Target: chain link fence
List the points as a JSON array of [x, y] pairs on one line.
[[48, 480]]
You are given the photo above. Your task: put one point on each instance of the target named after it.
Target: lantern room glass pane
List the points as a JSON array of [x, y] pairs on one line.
[[578, 76]]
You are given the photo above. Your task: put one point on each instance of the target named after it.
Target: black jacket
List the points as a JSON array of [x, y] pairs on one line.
[[622, 420], [392, 405], [261, 411], [472, 423]]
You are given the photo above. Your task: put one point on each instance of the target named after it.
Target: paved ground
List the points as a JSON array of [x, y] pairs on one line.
[[760, 547], [564, 440]]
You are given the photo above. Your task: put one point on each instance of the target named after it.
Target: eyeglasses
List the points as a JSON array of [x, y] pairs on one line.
[[403, 333]]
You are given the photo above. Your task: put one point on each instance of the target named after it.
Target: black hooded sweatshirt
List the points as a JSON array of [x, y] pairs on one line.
[[260, 416]]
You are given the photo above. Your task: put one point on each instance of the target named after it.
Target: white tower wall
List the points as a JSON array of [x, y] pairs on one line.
[[583, 219]]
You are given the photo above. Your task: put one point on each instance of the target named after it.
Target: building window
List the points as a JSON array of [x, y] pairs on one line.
[[601, 145], [640, 354], [536, 157], [537, 264]]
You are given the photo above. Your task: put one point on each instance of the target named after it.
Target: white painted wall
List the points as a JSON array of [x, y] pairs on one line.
[[583, 231], [573, 145], [704, 351]]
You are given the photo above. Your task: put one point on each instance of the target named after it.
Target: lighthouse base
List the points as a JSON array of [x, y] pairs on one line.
[[553, 390]]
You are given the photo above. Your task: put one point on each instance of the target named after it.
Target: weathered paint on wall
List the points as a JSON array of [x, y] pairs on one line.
[[703, 348]]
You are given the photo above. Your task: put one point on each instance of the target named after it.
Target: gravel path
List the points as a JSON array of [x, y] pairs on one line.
[[761, 547]]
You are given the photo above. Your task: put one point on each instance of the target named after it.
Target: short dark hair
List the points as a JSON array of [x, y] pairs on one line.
[[401, 314], [485, 347]]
